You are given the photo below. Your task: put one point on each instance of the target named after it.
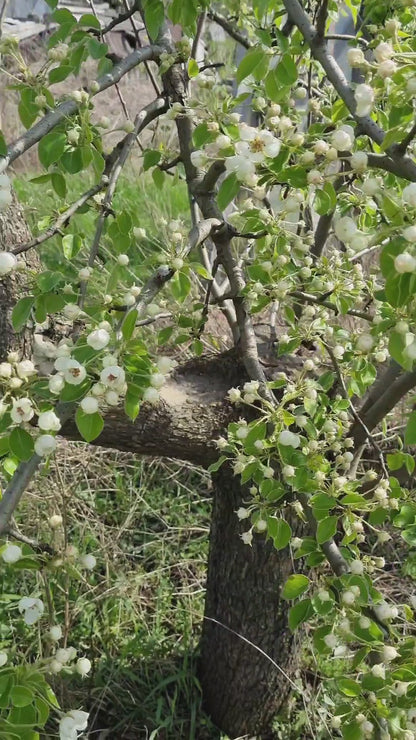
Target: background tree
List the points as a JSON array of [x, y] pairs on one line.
[[292, 222]]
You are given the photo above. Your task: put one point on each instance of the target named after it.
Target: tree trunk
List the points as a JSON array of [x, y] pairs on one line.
[[242, 689], [14, 231]]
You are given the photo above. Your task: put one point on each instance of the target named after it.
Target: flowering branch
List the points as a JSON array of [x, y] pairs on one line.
[[69, 107]]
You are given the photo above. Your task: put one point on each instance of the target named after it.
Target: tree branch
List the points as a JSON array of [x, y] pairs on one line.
[[405, 167], [69, 107], [63, 220], [232, 31]]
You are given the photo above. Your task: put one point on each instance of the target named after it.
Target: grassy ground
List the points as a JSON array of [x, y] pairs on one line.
[[138, 615]]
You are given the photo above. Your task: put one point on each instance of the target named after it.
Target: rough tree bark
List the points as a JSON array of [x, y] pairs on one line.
[[242, 690]]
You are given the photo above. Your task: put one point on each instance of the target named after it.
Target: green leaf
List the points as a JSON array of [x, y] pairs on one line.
[[89, 426], [154, 15], [132, 401], [21, 696], [349, 687], [280, 532], [352, 731], [158, 177], [286, 71], [410, 433], [129, 323], [3, 145], [193, 69], [88, 19], [295, 586], [180, 285], [151, 158], [248, 64], [21, 443], [72, 161], [59, 184], [21, 312], [216, 466], [228, 190], [28, 110], [409, 535], [58, 74], [326, 529], [300, 613], [51, 148], [71, 244]]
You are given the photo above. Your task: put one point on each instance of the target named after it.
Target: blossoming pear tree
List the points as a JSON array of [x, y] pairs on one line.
[[303, 221]]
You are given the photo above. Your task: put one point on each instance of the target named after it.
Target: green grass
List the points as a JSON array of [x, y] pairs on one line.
[[138, 615], [149, 207]]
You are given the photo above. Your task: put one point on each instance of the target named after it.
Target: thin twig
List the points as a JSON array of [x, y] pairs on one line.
[[64, 218], [232, 31], [354, 411], [148, 114]]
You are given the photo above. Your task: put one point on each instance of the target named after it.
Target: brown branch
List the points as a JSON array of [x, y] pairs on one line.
[[116, 21], [232, 31]]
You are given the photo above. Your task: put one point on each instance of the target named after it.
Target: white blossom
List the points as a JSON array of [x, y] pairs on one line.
[[71, 311], [55, 632], [113, 376], [12, 553], [243, 513], [112, 398], [83, 666], [3, 659], [72, 723], [359, 161], [165, 365], [365, 342], [8, 261], [157, 380], [355, 57], [98, 339], [389, 653], [409, 194], [31, 608], [74, 372], [151, 395], [383, 51], [45, 444], [410, 233], [247, 537], [49, 421], [55, 520], [357, 567], [364, 98], [5, 370], [22, 410], [289, 439], [56, 383], [234, 394], [342, 139], [404, 262], [25, 369], [345, 228], [88, 561], [387, 69], [89, 405]]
